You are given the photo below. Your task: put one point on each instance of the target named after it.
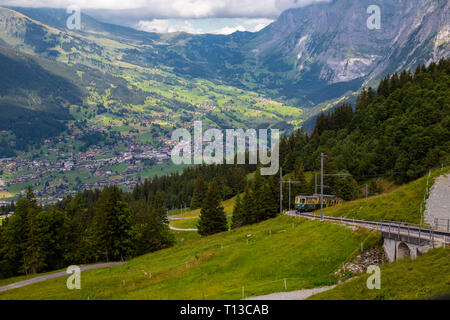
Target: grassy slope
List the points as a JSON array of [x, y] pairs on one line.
[[191, 223], [403, 204], [228, 206], [304, 252], [426, 277]]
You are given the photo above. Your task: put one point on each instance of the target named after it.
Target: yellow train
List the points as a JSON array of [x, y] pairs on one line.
[[311, 203]]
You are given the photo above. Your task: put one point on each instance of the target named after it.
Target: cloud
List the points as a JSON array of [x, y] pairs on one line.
[[166, 26], [184, 9], [162, 16], [202, 26]]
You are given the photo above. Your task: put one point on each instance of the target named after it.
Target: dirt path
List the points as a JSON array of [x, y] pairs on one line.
[[438, 203], [293, 295], [57, 275], [178, 229], [185, 218]]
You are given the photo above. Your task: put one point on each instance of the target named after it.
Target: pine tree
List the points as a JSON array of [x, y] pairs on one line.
[[150, 232], [33, 256], [248, 207], [112, 225], [159, 206], [237, 220], [199, 193], [257, 212], [212, 214], [268, 207], [299, 176]]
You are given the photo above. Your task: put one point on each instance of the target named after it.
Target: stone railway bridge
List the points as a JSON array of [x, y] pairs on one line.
[[400, 239]]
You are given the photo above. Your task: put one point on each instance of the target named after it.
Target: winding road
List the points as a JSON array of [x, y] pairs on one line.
[[185, 218], [57, 275]]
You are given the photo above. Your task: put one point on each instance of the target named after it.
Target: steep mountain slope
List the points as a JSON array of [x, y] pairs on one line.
[[401, 130], [328, 45], [57, 18], [35, 96], [36, 84], [105, 62], [308, 56]]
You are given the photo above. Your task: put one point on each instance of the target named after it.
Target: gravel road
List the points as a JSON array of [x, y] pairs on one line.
[[57, 275], [438, 203], [293, 295]]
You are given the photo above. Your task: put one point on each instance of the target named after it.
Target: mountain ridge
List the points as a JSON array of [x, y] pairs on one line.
[[307, 56]]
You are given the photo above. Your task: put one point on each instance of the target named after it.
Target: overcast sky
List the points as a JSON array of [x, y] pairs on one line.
[[194, 16]]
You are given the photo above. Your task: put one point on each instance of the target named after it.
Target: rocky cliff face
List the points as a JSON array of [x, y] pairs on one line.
[[332, 41]]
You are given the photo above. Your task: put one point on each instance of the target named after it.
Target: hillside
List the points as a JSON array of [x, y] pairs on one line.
[[398, 131], [133, 87], [406, 203], [305, 253], [35, 96], [88, 93], [307, 56], [424, 278], [217, 267]]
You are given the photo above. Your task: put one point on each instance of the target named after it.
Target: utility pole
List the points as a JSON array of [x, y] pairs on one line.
[[281, 190], [289, 194], [315, 183], [321, 186], [290, 182]]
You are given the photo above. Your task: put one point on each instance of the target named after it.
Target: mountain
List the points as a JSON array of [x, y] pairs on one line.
[[319, 52], [400, 131], [333, 39], [34, 83], [327, 48], [308, 56], [100, 74], [35, 96]]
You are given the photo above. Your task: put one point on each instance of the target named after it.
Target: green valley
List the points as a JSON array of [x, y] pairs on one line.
[[183, 150]]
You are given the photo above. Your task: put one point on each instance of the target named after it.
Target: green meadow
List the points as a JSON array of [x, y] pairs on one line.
[[405, 203], [255, 259]]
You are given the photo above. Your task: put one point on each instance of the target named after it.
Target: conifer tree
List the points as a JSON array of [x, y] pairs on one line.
[[150, 232], [212, 214], [248, 207], [299, 176], [199, 193], [257, 212], [237, 220], [271, 206], [113, 225], [159, 207]]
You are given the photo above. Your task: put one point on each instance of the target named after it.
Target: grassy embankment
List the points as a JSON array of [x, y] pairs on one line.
[[303, 252], [424, 278], [403, 204], [228, 206]]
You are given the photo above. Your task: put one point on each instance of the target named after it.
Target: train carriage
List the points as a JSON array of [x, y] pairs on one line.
[[305, 203]]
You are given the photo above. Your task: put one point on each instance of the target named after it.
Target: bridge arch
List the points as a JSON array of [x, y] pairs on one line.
[[403, 251]]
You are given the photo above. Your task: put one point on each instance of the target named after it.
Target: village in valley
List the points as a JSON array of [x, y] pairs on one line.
[[57, 171]]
